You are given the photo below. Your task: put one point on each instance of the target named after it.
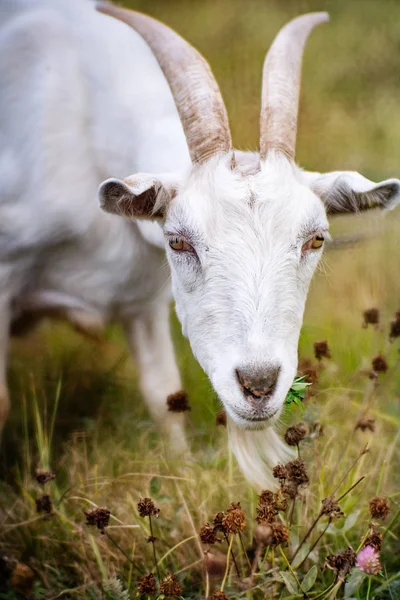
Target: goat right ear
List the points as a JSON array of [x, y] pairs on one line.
[[140, 196]]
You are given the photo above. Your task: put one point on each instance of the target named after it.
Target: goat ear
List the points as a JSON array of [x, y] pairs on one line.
[[347, 191], [140, 196]]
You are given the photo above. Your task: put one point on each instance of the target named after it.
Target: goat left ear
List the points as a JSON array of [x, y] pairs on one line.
[[140, 196], [348, 191]]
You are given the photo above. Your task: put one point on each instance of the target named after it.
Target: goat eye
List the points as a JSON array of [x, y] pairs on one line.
[[314, 243], [180, 245]]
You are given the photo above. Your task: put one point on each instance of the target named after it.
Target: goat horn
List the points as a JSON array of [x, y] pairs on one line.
[[281, 85], [195, 91]]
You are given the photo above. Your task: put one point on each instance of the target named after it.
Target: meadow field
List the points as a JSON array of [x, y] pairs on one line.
[[77, 412]]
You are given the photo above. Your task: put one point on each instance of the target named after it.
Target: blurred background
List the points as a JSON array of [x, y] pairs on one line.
[[349, 120]]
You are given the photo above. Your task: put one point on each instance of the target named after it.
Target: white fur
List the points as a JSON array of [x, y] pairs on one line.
[[83, 99]]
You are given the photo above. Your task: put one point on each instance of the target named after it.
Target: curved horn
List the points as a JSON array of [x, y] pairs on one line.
[[281, 85], [195, 91]]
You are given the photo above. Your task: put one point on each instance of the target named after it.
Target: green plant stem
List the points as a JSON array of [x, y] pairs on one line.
[[369, 588], [292, 572], [233, 556], [227, 563]]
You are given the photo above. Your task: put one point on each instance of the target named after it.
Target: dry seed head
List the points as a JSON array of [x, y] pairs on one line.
[[364, 423], [371, 317], [99, 517], [297, 471], [374, 539], [341, 562], [395, 327], [43, 476], [208, 534], [296, 433], [279, 534], [147, 584], [266, 513], [379, 508], [218, 595], [321, 350], [178, 402], [170, 585], [234, 520], [280, 472], [43, 504], [331, 508], [146, 508], [306, 367], [379, 364]]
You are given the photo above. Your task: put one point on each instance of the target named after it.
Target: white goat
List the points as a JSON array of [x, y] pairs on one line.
[[242, 232]]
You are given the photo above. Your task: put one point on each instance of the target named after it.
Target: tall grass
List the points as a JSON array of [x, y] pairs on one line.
[[83, 417]]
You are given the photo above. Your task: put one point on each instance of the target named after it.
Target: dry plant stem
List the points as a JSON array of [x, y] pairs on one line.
[[122, 551], [351, 488], [364, 451], [305, 538], [291, 515], [315, 543], [232, 554], [227, 563], [257, 555], [154, 550], [244, 552]]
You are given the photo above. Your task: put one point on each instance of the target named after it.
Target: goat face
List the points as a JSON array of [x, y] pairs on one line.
[[242, 257]]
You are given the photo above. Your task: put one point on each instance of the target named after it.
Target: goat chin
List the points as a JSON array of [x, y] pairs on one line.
[[257, 452]]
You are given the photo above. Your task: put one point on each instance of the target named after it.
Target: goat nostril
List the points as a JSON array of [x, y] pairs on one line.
[[258, 385]]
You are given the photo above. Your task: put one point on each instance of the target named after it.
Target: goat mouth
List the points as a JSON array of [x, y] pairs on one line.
[[256, 422]]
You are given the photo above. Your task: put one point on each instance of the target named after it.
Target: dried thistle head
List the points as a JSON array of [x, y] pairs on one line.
[[266, 513], [43, 476], [218, 522], [178, 402], [44, 504], [234, 520], [296, 433], [220, 418], [331, 508], [379, 508], [379, 364], [321, 350], [279, 533], [306, 367], [98, 517], [290, 489], [170, 585], [146, 508], [297, 471], [280, 472], [218, 595], [208, 534], [365, 423], [374, 539], [147, 584], [341, 563], [395, 327], [371, 317]]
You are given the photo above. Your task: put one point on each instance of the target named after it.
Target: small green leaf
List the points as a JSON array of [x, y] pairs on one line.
[[290, 583], [155, 486], [309, 579]]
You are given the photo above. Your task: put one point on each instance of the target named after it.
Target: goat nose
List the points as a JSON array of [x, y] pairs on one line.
[[258, 385]]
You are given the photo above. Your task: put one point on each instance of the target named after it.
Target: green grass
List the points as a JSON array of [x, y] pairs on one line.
[[76, 406]]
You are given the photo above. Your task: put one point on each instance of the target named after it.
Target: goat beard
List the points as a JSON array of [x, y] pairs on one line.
[[257, 452]]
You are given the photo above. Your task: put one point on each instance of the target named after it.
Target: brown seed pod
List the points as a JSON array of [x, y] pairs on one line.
[[371, 317], [279, 534], [234, 520], [365, 424], [44, 504], [146, 508], [208, 534], [178, 402], [297, 471], [170, 585], [395, 327], [98, 517], [296, 433], [374, 539], [218, 522], [43, 476], [321, 350], [379, 364], [331, 508], [341, 562], [147, 584], [280, 472], [379, 508], [218, 595]]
